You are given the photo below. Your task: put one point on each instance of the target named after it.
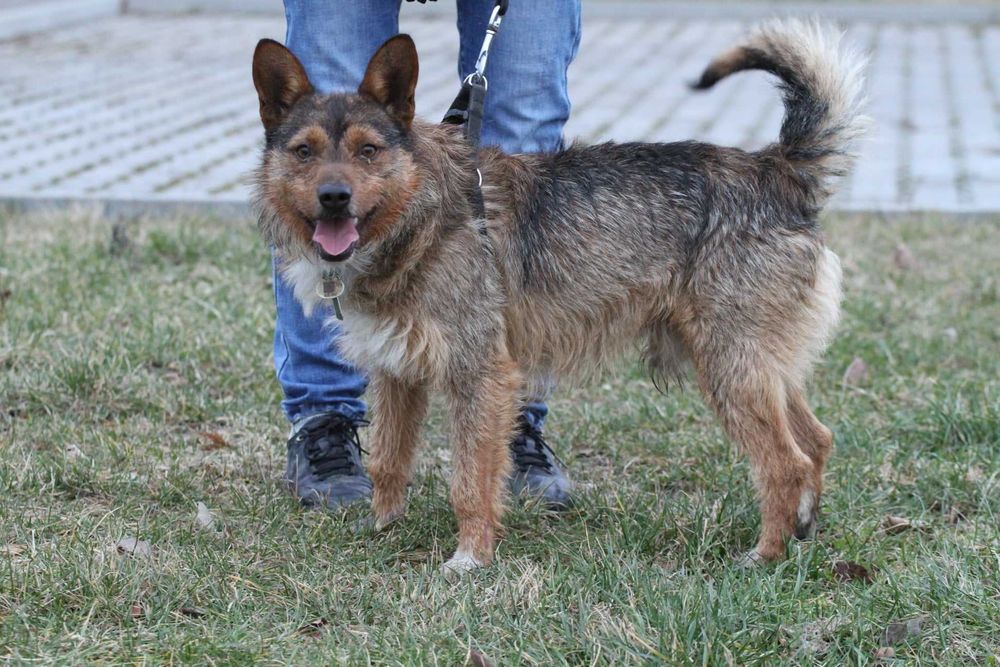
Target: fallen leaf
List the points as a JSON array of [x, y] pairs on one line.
[[815, 638], [885, 652], [137, 612], [899, 631], [174, 378], [12, 550], [313, 628], [845, 570], [204, 518], [903, 258], [133, 547], [856, 373], [894, 525], [192, 612], [215, 441], [974, 474], [478, 659]]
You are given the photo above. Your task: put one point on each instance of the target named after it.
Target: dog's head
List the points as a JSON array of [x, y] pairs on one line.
[[337, 169]]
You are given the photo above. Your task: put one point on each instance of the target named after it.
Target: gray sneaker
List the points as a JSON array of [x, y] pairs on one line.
[[324, 462], [536, 471]]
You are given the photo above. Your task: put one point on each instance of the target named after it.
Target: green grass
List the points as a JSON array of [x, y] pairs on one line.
[[134, 385]]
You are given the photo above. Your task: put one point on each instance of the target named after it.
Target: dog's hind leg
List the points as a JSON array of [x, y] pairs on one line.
[[748, 393], [398, 409], [816, 441], [483, 414]]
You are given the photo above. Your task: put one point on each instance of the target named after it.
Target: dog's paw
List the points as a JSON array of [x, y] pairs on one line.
[[750, 560], [383, 522], [806, 517], [460, 564]]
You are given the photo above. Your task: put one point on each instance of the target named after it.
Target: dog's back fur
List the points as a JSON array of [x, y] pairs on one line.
[[691, 250]]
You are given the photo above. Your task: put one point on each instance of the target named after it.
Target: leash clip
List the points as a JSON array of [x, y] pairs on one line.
[[491, 30]]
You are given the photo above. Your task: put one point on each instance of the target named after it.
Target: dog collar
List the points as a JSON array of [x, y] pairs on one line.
[[331, 288]]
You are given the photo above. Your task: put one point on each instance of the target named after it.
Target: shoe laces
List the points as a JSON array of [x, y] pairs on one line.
[[530, 449], [331, 444]]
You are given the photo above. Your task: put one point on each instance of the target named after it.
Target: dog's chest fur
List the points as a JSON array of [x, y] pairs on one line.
[[400, 344]]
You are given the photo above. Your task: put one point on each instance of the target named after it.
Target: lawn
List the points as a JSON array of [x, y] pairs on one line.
[[135, 383]]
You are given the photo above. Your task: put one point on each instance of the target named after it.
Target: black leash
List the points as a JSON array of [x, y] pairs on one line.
[[467, 109]]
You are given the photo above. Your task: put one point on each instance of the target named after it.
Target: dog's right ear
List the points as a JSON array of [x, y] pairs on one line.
[[280, 81]]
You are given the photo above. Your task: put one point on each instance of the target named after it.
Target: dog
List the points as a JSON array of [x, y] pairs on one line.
[[700, 255]]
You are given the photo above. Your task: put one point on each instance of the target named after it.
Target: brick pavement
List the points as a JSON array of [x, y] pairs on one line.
[[161, 108]]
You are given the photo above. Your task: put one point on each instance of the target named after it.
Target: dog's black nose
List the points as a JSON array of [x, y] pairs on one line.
[[334, 195]]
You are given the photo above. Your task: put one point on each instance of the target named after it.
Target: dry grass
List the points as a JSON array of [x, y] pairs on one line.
[[137, 383]]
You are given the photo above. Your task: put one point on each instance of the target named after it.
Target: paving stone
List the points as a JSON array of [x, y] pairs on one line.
[[161, 108]]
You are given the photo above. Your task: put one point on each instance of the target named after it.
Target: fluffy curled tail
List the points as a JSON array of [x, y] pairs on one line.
[[821, 82]]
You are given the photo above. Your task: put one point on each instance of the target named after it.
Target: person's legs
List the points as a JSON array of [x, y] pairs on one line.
[[334, 40], [527, 105]]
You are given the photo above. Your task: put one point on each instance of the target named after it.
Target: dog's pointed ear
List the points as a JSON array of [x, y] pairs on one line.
[[391, 78], [280, 81]]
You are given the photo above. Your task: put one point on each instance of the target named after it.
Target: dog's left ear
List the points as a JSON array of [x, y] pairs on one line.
[[391, 78], [280, 81]]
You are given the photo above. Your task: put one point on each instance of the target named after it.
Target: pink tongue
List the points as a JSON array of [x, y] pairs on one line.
[[336, 236]]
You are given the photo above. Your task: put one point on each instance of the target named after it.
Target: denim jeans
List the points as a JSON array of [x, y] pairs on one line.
[[526, 108]]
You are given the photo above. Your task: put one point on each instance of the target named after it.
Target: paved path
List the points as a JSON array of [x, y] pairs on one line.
[[161, 108]]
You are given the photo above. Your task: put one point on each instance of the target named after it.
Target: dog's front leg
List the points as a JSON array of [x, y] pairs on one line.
[[483, 409], [398, 413]]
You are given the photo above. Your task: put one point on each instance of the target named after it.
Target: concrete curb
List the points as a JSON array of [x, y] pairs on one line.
[[41, 16], [132, 208], [639, 9]]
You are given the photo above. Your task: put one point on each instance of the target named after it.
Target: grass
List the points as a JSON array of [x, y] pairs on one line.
[[136, 383]]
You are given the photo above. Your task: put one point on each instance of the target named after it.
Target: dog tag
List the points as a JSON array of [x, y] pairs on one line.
[[331, 288]]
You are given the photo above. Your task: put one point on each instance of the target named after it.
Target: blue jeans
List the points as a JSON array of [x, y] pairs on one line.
[[526, 108]]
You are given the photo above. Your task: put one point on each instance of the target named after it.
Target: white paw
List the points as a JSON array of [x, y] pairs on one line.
[[459, 564], [750, 560], [807, 502]]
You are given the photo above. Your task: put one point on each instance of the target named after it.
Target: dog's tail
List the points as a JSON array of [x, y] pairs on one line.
[[821, 82]]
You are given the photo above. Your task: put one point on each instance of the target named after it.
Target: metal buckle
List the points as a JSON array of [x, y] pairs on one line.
[[470, 80]]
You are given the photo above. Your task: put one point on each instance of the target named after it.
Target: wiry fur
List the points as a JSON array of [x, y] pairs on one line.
[[695, 252]]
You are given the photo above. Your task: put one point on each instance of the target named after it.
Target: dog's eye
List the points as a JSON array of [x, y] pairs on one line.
[[368, 151], [303, 152]]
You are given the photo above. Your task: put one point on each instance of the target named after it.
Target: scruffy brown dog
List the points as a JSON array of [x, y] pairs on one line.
[[692, 251]]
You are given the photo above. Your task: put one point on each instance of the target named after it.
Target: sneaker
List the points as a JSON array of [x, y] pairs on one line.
[[536, 472], [324, 462]]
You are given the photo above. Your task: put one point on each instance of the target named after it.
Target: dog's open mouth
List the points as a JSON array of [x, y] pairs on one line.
[[335, 238]]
